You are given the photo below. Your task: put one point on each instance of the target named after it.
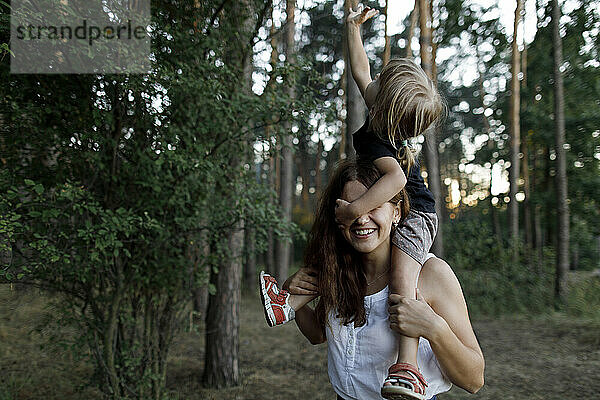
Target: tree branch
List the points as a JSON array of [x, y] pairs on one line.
[[238, 136], [214, 17]]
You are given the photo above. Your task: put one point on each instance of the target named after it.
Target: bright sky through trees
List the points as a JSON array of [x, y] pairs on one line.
[[464, 74]]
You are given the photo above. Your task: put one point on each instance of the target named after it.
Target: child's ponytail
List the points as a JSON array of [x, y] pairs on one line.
[[406, 155]]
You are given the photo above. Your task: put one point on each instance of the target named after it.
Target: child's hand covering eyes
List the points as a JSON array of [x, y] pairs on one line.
[[344, 215]]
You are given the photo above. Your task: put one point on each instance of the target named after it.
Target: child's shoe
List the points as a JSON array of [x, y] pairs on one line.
[[275, 301], [407, 383]]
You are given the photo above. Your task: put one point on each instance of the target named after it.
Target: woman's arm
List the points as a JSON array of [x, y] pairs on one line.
[[306, 318], [443, 320]]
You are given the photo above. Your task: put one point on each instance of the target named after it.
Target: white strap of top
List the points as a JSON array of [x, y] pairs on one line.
[[429, 255]]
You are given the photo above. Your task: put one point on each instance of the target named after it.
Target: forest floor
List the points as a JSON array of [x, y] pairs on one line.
[[547, 357]]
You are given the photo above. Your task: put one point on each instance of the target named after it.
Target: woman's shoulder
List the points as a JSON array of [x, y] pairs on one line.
[[436, 266], [437, 274]]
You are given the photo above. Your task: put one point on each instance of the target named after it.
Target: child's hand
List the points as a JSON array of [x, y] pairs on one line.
[[362, 14], [344, 214]]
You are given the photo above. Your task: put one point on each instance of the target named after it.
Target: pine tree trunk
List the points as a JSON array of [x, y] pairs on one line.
[[527, 215], [515, 104], [221, 360], [496, 228], [598, 250], [249, 248], [283, 247], [387, 50], [425, 37], [431, 145], [6, 253], [270, 255], [221, 366], [303, 169], [273, 181], [200, 291], [527, 191], [548, 212], [524, 52], [200, 302], [250, 258], [539, 239], [414, 15], [318, 172], [575, 252], [562, 244]]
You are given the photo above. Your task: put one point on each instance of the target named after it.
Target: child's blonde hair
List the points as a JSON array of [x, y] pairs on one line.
[[407, 103]]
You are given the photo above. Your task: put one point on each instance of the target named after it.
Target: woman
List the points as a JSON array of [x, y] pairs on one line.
[[348, 267]]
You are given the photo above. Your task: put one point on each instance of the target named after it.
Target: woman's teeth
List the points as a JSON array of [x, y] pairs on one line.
[[363, 232]]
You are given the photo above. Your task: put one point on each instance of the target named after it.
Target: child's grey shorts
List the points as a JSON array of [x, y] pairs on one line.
[[415, 234]]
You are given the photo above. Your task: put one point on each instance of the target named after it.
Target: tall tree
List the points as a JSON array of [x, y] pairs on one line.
[[525, 146], [414, 17], [273, 171], [221, 360], [562, 245], [431, 144], [387, 47], [515, 105], [249, 252], [527, 214], [283, 246], [318, 173]]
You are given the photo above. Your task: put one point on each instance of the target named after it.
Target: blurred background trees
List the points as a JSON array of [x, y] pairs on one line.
[[147, 199]]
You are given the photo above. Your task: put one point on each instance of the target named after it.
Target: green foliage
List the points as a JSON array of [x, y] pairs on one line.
[[582, 91], [584, 297], [477, 131], [117, 185], [492, 283]]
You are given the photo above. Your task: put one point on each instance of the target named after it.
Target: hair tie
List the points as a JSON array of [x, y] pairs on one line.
[[405, 143]]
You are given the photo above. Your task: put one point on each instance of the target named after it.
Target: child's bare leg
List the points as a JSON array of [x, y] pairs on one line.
[[403, 282]]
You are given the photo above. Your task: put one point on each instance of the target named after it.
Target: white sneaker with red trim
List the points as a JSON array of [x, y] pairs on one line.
[[275, 301]]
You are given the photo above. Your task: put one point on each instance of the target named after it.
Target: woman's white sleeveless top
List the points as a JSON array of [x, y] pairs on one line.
[[358, 358]]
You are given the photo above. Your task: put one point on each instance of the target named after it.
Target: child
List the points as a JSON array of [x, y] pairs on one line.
[[402, 103]]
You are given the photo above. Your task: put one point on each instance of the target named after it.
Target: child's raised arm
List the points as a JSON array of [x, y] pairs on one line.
[[358, 57]]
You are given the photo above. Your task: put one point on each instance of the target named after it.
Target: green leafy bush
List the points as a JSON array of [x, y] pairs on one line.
[[584, 297], [492, 282]]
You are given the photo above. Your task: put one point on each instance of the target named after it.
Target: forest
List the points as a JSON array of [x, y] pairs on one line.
[[137, 209]]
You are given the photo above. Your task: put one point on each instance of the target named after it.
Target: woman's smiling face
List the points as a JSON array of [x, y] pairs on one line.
[[370, 231]]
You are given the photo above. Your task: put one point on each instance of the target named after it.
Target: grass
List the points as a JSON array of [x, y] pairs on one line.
[[548, 357], [31, 367]]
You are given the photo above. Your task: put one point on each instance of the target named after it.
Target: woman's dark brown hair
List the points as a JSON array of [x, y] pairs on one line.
[[342, 281]]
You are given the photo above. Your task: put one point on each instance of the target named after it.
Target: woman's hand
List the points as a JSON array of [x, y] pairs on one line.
[[303, 282], [411, 317], [361, 14]]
